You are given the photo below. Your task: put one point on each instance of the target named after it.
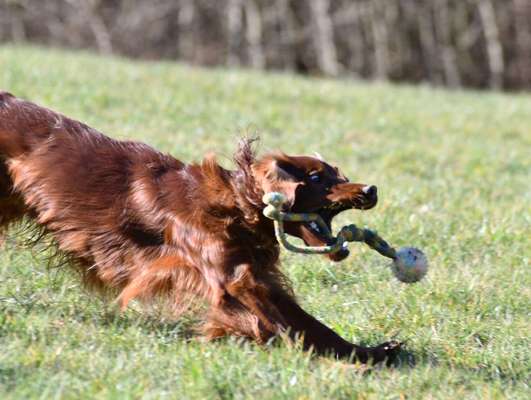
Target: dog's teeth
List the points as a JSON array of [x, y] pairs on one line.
[[314, 226]]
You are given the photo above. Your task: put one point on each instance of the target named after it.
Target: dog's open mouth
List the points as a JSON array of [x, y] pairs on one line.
[[342, 197], [314, 234], [327, 213]]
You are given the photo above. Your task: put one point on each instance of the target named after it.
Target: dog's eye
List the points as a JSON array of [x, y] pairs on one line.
[[315, 178]]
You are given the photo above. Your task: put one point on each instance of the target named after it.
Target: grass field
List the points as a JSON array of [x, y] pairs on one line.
[[453, 171]]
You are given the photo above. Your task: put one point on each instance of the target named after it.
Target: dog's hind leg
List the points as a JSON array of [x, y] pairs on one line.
[[12, 206], [11, 144]]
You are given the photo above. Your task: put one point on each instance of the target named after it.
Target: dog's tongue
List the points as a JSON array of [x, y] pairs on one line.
[[312, 238], [339, 255]]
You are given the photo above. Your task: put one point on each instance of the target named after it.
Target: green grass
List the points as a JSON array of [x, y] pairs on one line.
[[453, 169]]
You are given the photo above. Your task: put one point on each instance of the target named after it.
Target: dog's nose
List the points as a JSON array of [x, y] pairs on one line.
[[370, 190]]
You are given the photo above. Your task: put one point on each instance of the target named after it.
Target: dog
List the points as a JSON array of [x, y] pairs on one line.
[[142, 224]]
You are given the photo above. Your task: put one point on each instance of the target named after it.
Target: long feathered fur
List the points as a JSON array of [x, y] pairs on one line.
[[143, 225]]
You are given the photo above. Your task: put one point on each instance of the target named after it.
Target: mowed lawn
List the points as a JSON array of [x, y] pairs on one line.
[[454, 177]]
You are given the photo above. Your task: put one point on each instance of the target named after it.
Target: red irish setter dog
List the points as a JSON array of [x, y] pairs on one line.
[[141, 223]]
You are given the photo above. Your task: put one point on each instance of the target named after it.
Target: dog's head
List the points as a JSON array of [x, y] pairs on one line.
[[312, 186]]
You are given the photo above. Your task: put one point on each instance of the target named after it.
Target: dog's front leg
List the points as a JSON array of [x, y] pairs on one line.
[[261, 309], [324, 340]]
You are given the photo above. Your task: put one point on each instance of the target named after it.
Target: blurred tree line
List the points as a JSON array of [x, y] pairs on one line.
[[472, 43]]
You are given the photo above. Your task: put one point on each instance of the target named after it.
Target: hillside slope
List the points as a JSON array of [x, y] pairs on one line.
[[453, 170]]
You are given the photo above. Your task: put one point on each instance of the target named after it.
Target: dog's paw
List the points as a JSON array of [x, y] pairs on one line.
[[387, 352], [392, 349]]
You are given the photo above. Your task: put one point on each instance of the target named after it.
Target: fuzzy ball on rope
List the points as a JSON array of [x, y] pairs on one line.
[[409, 265]]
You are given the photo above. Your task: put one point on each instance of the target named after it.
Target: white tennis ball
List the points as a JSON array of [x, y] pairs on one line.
[[410, 265]]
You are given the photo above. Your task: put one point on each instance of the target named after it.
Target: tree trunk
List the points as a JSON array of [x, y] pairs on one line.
[[253, 34], [97, 25], [428, 43], [443, 25], [522, 24], [323, 38], [234, 29], [492, 38], [286, 33], [351, 17], [187, 37], [381, 46]]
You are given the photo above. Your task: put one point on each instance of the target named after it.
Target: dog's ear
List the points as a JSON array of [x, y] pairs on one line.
[[281, 175], [318, 156]]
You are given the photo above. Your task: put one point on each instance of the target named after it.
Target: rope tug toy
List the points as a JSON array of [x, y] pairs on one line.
[[409, 263]]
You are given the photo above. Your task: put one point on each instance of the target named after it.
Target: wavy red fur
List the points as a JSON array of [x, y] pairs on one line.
[[145, 224]]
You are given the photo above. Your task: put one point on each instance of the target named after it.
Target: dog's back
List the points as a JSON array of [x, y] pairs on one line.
[[29, 134], [68, 176], [24, 125]]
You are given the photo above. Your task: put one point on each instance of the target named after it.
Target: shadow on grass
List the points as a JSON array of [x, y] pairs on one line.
[[183, 328], [107, 316], [410, 358]]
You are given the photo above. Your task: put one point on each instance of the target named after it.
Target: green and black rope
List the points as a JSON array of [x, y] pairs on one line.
[[350, 233]]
